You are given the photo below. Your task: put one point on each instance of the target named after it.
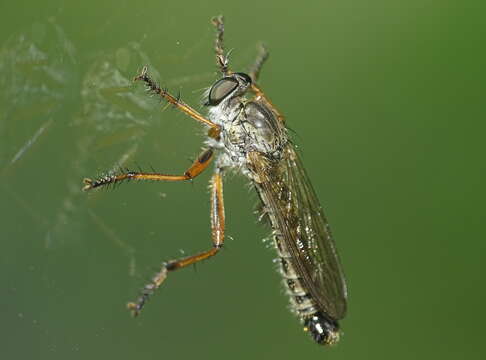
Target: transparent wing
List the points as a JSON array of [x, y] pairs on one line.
[[298, 218]]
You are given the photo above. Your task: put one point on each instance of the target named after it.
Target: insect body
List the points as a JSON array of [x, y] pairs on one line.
[[248, 134]]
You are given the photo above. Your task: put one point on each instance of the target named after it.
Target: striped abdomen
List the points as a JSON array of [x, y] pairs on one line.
[[300, 299]]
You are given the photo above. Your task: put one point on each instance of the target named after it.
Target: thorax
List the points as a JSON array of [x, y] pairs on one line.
[[246, 126]]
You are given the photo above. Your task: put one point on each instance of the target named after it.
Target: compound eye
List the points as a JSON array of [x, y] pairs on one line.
[[221, 89]]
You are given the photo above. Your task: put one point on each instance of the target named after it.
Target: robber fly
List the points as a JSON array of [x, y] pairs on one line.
[[248, 134]]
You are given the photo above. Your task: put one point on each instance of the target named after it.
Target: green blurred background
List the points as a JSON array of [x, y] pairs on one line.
[[387, 101]]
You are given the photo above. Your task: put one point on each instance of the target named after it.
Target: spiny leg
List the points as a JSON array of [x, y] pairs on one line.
[[222, 62], [197, 167], [262, 57], [254, 73], [178, 103], [221, 58], [217, 235]]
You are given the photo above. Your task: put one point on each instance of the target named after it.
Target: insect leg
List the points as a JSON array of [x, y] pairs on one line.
[[222, 62], [178, 103], [221, 58], [254, 74], [197, 167], [259, 61], [217, 235]]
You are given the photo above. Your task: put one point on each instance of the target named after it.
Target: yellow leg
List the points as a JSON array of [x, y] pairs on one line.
[[217, 235], [196, 169]]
